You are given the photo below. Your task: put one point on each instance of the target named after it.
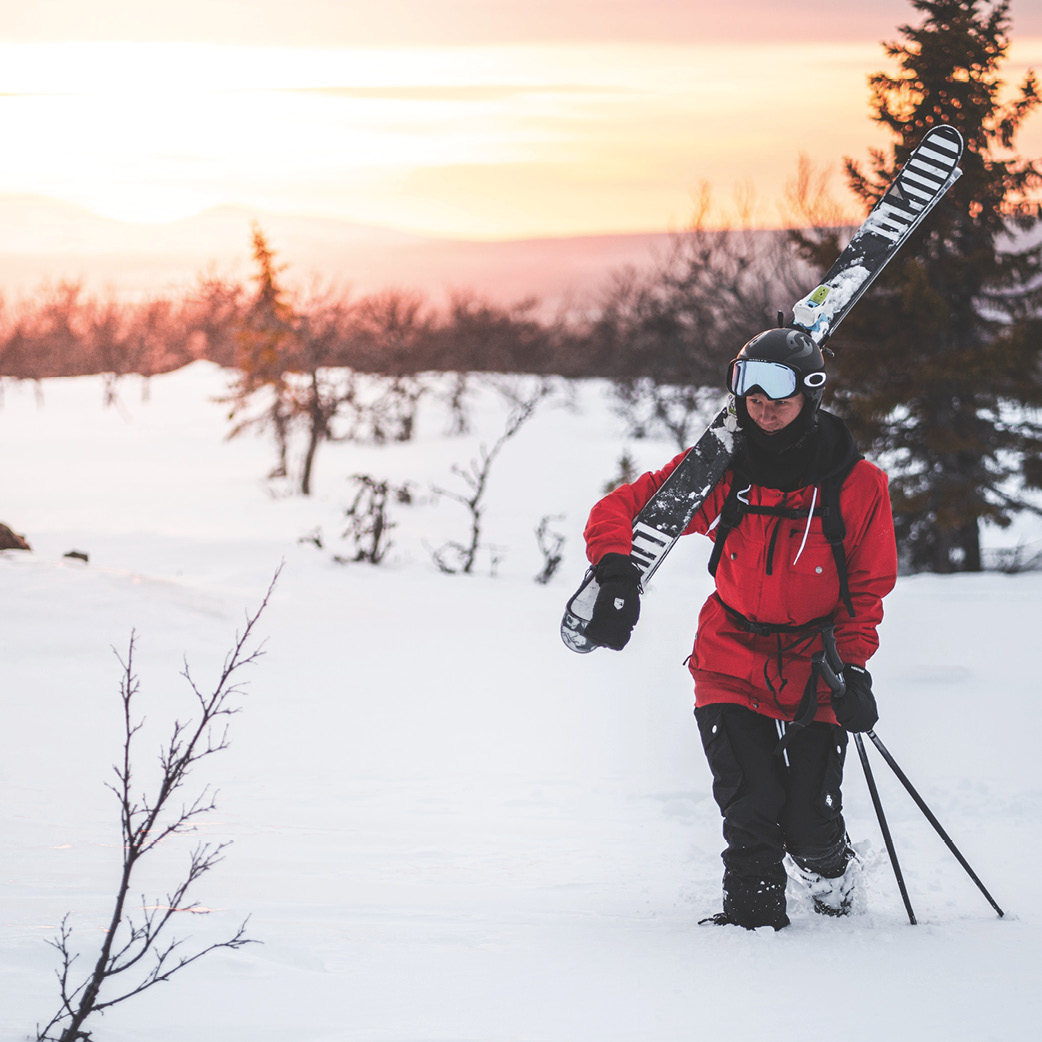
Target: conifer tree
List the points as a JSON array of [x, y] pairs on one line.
[[265, 348], [938, 367]]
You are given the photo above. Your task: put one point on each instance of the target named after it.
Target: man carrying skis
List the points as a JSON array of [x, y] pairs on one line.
[[803, 541]]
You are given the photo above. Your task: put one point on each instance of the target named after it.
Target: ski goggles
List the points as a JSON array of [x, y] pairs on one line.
[[777, 381]]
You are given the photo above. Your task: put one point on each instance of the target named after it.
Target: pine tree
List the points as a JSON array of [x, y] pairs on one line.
[[265, 347], [942, 381]]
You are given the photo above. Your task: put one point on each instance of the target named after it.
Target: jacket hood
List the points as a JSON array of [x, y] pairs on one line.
[[838, 451]]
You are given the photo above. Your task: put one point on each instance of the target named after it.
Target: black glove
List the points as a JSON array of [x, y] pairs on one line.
[[618, 601], [856, 709]]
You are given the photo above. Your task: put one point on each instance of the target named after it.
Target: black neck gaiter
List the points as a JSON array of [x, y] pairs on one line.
[[786, 460]]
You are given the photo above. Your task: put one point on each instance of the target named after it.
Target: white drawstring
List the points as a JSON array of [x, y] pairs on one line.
[[743, 497], [782, 730], [810, 517]]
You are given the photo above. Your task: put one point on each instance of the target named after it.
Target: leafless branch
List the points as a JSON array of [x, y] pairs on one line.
[[138, 950]]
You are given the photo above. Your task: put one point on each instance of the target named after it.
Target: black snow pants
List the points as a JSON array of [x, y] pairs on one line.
[[771, 807]]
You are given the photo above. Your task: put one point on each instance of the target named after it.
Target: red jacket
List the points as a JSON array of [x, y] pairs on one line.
[[773, 580]]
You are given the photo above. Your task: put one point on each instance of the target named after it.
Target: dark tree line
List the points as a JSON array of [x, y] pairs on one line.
[[670, 322], [64, 330]]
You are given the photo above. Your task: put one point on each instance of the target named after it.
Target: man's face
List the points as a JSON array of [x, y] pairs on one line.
[[771, 415]]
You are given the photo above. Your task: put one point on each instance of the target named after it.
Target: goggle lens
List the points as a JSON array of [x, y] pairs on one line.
[[771, 378]]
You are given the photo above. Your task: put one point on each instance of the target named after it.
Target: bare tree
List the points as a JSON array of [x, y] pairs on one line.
[[456, 399], [625, 475], [104, 336], [318, 392], [391, 326], [675, 411], [368, 524], [481, 336], [157, 339], [138, 950], [812, 210], [214, 315], [669, 332], [550, 546], [454, 557]]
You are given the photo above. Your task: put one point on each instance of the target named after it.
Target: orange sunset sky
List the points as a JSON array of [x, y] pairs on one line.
[[471, 119]]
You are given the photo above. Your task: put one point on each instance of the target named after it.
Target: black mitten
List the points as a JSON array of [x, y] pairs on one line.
[[856, 709], [617, 608]]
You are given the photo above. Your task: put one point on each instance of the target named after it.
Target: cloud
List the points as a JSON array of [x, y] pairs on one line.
[[427, 22], [504, 140]]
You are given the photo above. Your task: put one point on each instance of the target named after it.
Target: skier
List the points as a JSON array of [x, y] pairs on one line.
[[803, 540]]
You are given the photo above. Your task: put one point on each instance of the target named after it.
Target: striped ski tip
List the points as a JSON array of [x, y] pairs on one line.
[[922, 181], [931, 169]]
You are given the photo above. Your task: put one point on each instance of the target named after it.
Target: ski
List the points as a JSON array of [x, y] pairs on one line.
[[662, 519], [931, 169]]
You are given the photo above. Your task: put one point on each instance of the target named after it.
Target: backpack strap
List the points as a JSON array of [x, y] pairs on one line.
[[835, 528], [730, 514]]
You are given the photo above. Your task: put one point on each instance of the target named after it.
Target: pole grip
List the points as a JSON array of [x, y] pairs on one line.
[[829, 662]]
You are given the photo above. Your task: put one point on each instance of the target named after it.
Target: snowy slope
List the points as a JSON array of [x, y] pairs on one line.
[[447, 827]]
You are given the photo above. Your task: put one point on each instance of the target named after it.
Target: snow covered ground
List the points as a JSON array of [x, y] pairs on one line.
[[446, 827]]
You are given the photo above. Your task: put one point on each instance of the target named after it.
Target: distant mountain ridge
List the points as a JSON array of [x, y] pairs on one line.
[[44, 242]]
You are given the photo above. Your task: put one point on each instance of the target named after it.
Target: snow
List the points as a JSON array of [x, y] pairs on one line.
[[445, 826]]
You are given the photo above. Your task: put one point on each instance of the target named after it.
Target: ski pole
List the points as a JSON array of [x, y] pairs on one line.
[[884, 828], [921, 803], [832, 670]]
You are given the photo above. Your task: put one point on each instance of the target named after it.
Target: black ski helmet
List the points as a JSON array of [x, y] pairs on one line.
[[790, 349]]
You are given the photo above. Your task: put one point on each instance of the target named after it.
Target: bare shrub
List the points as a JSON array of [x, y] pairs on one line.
[[369, 526], [460, 556], [550, 545], [138, 949]]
